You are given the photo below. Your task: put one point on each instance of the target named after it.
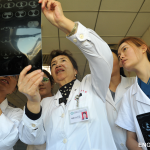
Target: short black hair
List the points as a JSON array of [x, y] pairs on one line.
[[67, 53], [121, 69], [49, 76]]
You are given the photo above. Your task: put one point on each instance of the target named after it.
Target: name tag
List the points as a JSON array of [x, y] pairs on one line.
[[79, 115]]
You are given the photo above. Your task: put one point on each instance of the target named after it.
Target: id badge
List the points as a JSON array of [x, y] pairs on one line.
[[79, 115]]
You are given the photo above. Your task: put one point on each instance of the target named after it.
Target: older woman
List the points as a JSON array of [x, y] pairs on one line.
[[62, 126], [9, 117]]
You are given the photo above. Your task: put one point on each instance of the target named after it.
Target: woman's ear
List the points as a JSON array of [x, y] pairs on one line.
[[144, 48]]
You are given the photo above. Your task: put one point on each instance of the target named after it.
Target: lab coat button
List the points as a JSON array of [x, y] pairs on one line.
[[122, 144], [75, 40], [81, 36], [33, 125], [114, 109], [65, 141], [62, 115]]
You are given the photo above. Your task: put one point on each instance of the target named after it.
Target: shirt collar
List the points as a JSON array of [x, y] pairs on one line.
[[4, 105]]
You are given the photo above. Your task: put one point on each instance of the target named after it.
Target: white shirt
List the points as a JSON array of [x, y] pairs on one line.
[[134, 102], [55, 127], [113, 106], [9, 122]]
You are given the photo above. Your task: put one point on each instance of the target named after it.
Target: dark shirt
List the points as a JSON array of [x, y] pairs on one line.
[[145, 87]]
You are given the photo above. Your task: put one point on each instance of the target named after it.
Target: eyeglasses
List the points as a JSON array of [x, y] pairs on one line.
[[45, 80]]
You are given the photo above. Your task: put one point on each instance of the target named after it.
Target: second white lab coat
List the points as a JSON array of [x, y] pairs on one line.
[[112, 107], [9, 122], [55, 128], [134, 102]]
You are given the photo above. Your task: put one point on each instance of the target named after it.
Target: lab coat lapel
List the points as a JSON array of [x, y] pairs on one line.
[[109, 98], [121, 89], [74, 88], [139, 94]]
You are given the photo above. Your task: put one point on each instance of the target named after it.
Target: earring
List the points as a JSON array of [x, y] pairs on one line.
[[75, 75]]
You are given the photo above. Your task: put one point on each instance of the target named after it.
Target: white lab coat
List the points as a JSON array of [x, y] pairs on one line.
[[95, 134], [134, 102], [9, 122], [112, 107]]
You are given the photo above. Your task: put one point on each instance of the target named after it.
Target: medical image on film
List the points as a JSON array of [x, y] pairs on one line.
[[144, 123], [20, 36]]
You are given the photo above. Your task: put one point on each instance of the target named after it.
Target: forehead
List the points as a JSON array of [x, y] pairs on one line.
[[59, 57]]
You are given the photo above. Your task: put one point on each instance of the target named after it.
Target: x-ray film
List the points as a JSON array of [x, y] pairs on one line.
[[20, 36]]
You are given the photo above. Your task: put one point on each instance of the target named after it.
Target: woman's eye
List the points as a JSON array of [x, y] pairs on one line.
[[125, 49], [53, 65], [63, 60], [118, 57]]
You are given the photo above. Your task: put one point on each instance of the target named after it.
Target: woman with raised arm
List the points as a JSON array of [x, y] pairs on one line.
[[9, 117], [133, 114], [62, 128]]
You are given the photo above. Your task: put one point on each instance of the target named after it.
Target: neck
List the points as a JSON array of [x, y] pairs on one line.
[[143, 70], [114, 82], [62, 83], [48, 95], [2, 97]]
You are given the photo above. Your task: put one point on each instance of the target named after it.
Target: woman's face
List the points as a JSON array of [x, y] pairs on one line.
[[45, 88], [8, 84], [62, 70], [84, 116], [129, 55]]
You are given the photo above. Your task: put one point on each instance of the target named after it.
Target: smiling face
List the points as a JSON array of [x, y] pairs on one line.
[[8, 84], [62, 70], [130, 55], [45, 88]]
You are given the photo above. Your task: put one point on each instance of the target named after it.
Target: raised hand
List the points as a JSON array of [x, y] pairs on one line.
[[53, 11], [28, 84]]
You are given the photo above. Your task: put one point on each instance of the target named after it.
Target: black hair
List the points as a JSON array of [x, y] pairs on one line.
[[84, 112], [121, 68], [49, 76], [67, 53]]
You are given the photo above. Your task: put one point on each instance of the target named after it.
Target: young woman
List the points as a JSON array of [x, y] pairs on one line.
[[45, 90], [117, 87], [9, 117], [134, 55], [62, 127]]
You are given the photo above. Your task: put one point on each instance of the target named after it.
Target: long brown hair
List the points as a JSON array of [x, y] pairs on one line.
[[138, 42]]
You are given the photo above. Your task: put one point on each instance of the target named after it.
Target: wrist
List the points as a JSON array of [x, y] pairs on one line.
[[66, 25], [33, 107]]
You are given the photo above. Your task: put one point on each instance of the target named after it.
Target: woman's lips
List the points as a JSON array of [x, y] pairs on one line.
[[4, 81]]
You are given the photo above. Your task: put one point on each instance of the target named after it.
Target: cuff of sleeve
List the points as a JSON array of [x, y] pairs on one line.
[[31, 115], [32, 124], [129, 128], [80, 36]]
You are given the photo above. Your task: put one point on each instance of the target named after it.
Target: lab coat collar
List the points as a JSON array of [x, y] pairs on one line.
[[139, 94], [122, 86], [58, 94], [4, 105]]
